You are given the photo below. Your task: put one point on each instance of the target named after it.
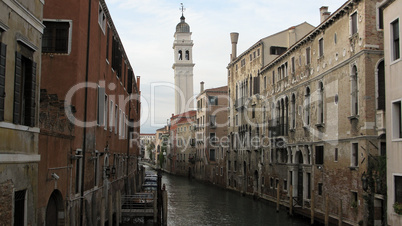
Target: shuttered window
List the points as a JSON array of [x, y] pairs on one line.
[[3, 49], [24, 91], [101, 106]]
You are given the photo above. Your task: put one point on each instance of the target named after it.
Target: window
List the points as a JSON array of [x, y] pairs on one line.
[[107, 43], [308, 55], [320, 109], [78, 168], [319, 188], [213, 100], [111, 115], [116, 117], [398, 189], [105, 112], [380, 18], [213, 139], [277, 50], [335, 38], [321, 47], [212, 120], [101, 18], [354, 94], [285, 185], [395, 46], [276, 183], [256, 88], [55, 37], [319, 155], [221, 171], [19, 207], [273, 77], [271, 182], [229, 165], [353, 23], [235, 165], [336, 154], [308, 185], [354, 198], [396, 120], [307, 107], [253, 112], [265, 82], [101, 106], [120, 122], [24, 91], [3, 48], [293, 109], [355, 155], [116, 57], [212, 154], [187, 56], [293, 65]]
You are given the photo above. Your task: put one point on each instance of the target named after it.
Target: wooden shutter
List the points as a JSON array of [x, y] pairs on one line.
[[130, 81], [31, 108], [17, 88], [3, 49]]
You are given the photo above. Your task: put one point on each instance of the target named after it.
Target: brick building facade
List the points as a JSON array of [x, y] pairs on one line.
[[89, 117]]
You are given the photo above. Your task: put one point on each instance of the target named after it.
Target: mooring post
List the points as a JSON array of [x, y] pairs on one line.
[[326, 210], [312, 206], [159, 197], [164, 194], [277, 197], [340, 213], [291, 200]]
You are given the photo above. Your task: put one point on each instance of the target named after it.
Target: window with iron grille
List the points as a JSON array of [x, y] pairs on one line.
[[55, 37]]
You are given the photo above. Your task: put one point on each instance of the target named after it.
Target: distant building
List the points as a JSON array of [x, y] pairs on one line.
[[211, 134], [161, 138], [89, 136], [146, 139], [21, 30], [391, 25], [183, 68]]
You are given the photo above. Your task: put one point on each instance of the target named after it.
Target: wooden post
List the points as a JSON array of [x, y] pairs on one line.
[[312, 206], [326, 210], [340, 213], [165, 204], [277, 197], [155, 206], [291, 200]]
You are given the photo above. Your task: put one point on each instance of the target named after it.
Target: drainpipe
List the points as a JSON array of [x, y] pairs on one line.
[[85, 116], [128, 144]]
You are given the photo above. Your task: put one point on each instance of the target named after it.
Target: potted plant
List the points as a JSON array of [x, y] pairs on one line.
[[398, 208]]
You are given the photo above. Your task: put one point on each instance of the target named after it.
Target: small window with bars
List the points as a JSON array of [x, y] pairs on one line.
[[55, 37]]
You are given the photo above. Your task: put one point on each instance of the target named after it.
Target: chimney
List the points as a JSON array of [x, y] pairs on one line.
[[201, 87], [324, 14], [138, 82], [234, 37]]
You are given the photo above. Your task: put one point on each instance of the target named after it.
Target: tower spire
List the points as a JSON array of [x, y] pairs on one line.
[[182, 9]]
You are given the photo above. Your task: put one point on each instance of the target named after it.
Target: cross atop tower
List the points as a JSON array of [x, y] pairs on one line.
[[182, 8]]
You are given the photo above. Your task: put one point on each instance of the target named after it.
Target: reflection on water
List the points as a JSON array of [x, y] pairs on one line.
[[193, 203]]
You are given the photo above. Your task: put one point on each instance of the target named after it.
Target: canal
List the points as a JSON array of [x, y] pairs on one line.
[[191, 202]]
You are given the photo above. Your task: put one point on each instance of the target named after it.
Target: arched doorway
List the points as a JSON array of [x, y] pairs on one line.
[[55, 210]]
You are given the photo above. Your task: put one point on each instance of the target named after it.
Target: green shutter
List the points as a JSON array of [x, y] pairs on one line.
[[17, 88], [32, 99], [3, 49]]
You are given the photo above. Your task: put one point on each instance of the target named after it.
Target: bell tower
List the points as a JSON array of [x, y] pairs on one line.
[[183, 67]]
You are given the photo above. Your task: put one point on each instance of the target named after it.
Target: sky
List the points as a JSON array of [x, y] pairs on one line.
[[146, 28]]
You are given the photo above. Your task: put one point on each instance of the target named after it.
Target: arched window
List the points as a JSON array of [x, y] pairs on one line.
[[381, 86], [355, 92], [180, 55], [293, 109], [307, 107], [187, 55], [320, 109]]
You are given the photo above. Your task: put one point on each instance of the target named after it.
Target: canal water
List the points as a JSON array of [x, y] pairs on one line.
[[191, 202]]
